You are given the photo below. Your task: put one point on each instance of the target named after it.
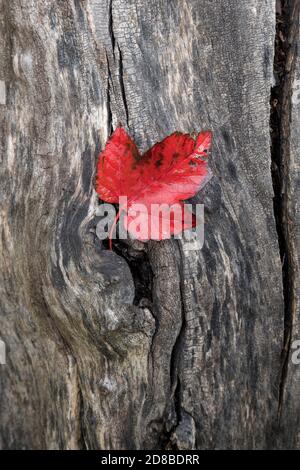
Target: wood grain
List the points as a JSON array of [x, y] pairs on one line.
[[199, 364]]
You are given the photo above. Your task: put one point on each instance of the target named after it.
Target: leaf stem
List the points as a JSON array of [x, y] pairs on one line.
[[114, 225]]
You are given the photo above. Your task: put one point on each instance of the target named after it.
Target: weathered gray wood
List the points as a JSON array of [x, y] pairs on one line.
[[200, 365], [290, 145]]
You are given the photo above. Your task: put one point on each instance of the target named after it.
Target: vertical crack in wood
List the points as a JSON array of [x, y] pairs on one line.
[[108, 99], [167, 310], [111, 26], [116, 72], [175, 358], [122, 85], [287, 27]]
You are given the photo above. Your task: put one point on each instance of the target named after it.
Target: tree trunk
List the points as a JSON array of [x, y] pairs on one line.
[[165, 347]]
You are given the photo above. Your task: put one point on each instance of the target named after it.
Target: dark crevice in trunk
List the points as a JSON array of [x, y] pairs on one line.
[[118, 61], [141, 271], [168, 440], [136, 256], [111, 26], [122, 85], [108, 100], [176, 353], [285, 45]]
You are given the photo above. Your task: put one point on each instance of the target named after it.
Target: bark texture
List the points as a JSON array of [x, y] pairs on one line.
[[289, 111], [164, 346]]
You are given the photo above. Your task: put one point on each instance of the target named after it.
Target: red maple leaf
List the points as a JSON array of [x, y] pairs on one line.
[[170, 172]]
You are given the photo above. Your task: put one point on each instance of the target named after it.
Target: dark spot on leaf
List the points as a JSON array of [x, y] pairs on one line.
[[158, 162], [132, 149], [147, 157], [135, 153]]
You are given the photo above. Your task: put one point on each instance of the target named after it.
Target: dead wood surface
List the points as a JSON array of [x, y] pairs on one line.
[[182, 349]]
